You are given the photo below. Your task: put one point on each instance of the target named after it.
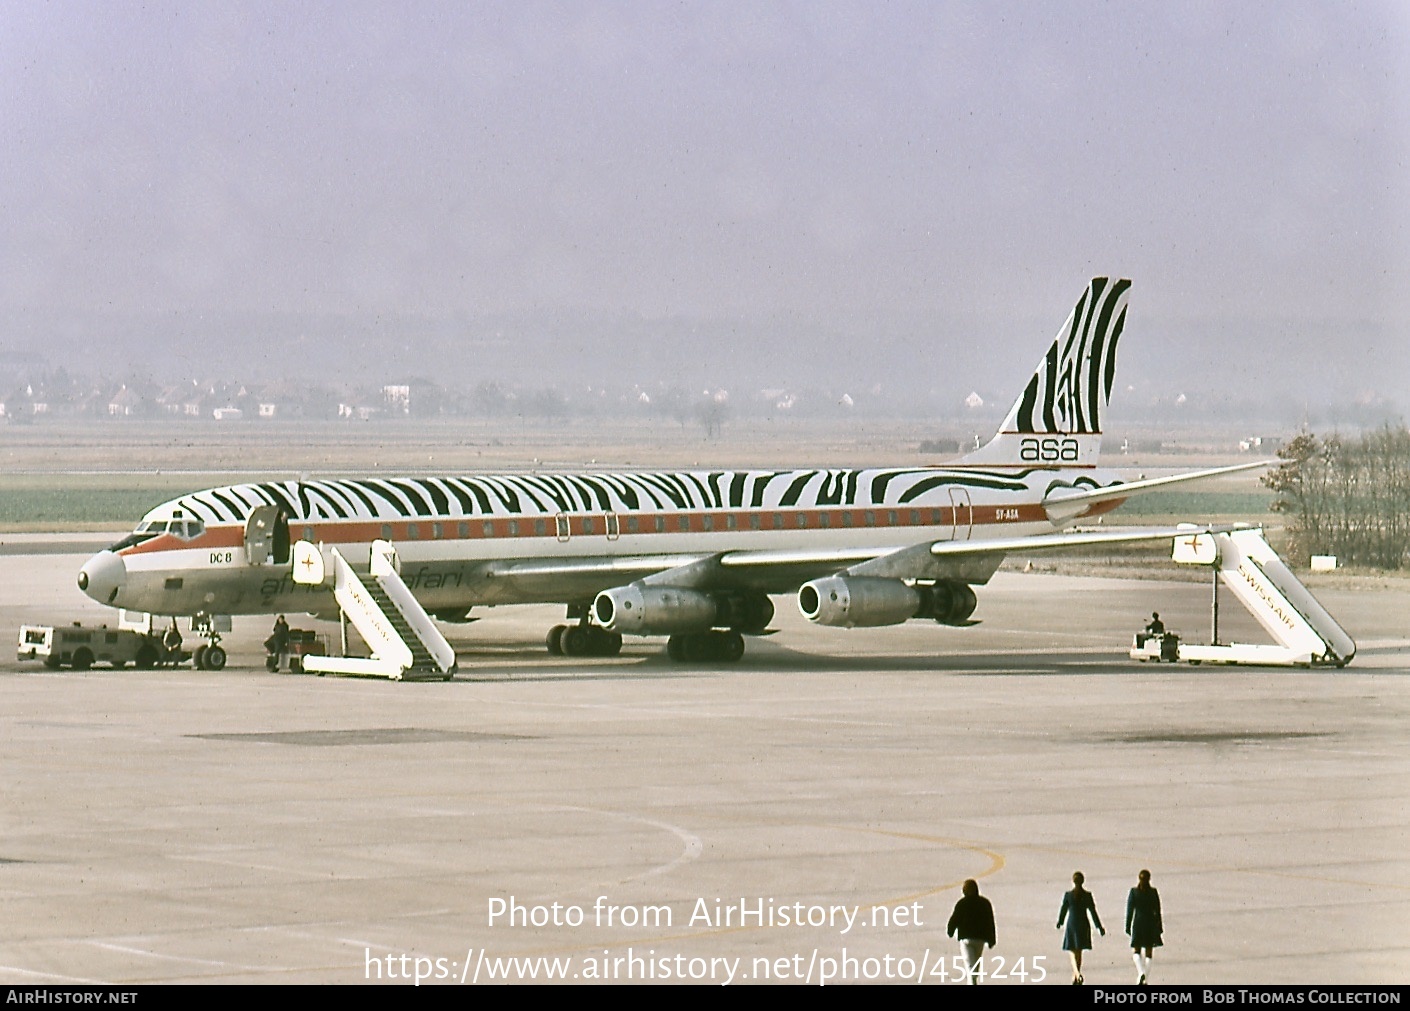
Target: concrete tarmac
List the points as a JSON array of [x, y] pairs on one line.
[[631, 818]]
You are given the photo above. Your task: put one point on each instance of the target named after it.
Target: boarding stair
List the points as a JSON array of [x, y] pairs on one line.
[[1305, 633], [403, 639]]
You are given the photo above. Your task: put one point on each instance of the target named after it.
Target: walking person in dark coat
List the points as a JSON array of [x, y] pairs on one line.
[[1143, 924], [1076, 905], [973, 923]]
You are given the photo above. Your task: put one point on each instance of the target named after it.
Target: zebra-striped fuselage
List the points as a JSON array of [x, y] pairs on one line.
[[458, 536]]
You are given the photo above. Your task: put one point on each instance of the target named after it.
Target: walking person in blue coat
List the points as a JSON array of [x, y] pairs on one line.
[[1143, 923], [1076, 905]]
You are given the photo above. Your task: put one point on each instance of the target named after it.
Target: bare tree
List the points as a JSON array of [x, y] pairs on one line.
[[1347, 498]]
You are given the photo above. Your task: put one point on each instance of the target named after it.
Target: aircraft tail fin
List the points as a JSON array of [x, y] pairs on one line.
[[1057, 420]]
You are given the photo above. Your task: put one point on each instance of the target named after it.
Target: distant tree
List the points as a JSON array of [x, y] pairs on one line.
[[712, 412], [549, 404], [489, 400], [1346, 498]]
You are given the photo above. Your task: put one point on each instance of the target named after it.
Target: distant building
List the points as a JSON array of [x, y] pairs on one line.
[[126, 403], [397, 398], [1260, 444]]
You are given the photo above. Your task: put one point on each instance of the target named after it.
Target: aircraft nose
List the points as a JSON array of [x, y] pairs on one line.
[[102, 576]]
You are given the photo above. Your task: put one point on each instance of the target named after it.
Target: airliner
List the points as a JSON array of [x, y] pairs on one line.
[[691, 555]]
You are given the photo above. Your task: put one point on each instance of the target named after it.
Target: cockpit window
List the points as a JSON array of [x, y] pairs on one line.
[[186, 529], [136, 537]]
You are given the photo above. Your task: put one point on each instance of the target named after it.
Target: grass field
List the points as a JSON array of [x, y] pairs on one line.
[[98, 476], [66, 502]]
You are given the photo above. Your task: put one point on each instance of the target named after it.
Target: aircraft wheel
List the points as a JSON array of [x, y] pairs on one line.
[[555, 640], [146, 657], [607, 643], [83, 659], [215, 658], [198, 658], [577, 641], [296, 665], [729, 646], [675, 649], [966, 601], [698, 648]]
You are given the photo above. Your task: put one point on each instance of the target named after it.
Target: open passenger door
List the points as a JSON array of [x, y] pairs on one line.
[[267, 536]]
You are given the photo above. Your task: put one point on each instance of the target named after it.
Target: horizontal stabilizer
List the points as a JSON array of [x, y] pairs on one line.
[[1064, 504]]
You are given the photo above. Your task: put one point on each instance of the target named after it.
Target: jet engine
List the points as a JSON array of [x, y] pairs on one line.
[[869, 601], [638, 609], [654, 610]]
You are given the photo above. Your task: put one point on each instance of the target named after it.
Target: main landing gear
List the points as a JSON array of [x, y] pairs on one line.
[[583, 640], [703, 647], [710, 646], [716, 646]]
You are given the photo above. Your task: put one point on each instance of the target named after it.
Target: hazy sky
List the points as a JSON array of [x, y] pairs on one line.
[[833, 189]]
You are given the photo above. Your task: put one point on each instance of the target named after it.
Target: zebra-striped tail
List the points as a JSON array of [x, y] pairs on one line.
[[1057, 420]]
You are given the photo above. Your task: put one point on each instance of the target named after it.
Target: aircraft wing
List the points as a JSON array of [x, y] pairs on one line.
[[1069, 503], [782, 571], [963, 561], [627, 568]]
